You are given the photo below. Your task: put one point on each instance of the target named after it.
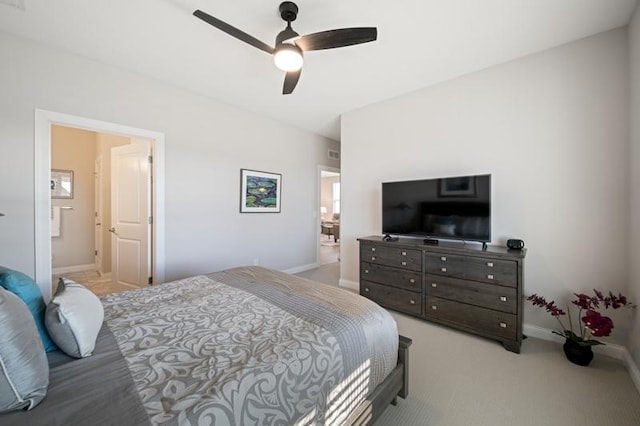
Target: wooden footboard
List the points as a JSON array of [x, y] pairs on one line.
[[396, 384], [403, 358]]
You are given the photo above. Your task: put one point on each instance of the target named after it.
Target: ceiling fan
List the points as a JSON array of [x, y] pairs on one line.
[[289, 47]]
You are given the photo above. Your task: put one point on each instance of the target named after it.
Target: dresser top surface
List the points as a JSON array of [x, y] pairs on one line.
[[452, 247]]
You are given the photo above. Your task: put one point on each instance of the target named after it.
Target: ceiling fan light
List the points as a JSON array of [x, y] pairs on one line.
[[288, 57]]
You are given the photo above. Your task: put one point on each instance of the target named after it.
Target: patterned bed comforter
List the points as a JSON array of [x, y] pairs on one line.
[[251, 346]]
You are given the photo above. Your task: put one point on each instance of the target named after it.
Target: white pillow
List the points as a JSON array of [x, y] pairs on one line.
[[24, 369], [74, 318]]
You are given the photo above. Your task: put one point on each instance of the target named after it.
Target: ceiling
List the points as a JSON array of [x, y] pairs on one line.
[[420, 43]]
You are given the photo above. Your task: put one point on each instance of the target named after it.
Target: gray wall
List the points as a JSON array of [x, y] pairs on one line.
[[552, 129], [207, 143], [634, 246]]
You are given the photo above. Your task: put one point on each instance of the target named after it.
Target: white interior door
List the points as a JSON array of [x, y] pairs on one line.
[[98, 255], [131, 213]]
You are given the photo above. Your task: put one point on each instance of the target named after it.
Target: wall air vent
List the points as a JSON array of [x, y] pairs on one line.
[[334, 155], [18, 4]]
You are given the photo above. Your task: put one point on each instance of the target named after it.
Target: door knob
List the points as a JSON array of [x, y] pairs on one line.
[[112, 229]]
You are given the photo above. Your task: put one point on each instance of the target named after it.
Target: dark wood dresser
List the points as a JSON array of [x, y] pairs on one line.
[[452, 283]]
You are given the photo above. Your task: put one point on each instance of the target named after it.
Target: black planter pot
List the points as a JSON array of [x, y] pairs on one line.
[[577, 354]]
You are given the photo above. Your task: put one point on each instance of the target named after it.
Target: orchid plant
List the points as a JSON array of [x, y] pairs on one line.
[[593, 322]]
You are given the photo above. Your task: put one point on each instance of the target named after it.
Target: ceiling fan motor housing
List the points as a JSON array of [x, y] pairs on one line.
[[286, 34]]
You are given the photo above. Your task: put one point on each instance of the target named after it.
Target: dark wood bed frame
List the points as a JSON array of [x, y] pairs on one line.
[[395, 385]]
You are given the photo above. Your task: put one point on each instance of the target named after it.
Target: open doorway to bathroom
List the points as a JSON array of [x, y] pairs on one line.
[[86, 238], [329, 232]]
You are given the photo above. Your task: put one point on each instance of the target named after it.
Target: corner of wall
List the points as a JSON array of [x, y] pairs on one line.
[[618, 352], [634, 225]]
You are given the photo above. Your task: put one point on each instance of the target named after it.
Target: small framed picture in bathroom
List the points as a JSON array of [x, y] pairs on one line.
[[61, 183]]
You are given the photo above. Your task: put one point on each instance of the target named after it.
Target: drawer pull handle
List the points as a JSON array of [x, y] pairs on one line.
[[443, 258], [490, 276], [366, 289], [490, 264], [434, 307], [404, 253], [366, 271], [412, 281], [373, 258], [443, 269], [503, 299], [403, 263], [434, 285], [503, 325], [413, 302], [373, 249]]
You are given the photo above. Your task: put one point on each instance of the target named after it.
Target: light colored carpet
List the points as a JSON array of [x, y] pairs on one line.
[[328, 274], [457, 379]]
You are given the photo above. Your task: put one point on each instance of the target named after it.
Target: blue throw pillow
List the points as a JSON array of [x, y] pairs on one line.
[[27, 290]]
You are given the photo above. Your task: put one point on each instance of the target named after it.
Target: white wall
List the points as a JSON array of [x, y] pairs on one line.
[[634, 246], [551, 128], [207, 142]]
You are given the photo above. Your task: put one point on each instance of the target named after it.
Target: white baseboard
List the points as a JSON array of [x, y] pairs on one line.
[[612, 350], [77, 268], [351, 285], [634, 372], [302, 268]]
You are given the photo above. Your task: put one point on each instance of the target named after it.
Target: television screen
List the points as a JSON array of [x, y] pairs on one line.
[[457, 208]]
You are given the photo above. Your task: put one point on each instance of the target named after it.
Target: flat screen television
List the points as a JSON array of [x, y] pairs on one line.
[[456, 208]]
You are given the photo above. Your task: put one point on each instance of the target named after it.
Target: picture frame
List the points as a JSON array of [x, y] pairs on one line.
[[464, 186], [260, 192], [61, 183]]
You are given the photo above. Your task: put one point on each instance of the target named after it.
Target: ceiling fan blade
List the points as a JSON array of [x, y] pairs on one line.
[[233, 31], [336, 38], [290, 81]]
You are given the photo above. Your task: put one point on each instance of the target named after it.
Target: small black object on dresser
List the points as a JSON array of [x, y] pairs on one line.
[[463, 286], [515, 244]]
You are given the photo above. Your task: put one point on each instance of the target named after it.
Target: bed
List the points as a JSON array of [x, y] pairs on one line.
[[244, 346]]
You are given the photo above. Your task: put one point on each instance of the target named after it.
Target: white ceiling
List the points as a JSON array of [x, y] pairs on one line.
[[420, 43]]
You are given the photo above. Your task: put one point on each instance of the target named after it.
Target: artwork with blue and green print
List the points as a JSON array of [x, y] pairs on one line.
[[261, 192]]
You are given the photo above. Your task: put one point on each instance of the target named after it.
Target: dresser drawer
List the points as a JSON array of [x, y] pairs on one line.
[[391, 276], [392, 256], [392, 297], [444, 264], [503, 272], [472, 317], [489, 296]]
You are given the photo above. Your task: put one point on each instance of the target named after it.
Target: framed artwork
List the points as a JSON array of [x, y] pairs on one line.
[[260, 192], [457, 187], [61, 183]]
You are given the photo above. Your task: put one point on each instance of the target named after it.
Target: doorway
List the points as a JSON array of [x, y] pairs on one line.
[[111, 186], [329, 207], [44, 121]]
